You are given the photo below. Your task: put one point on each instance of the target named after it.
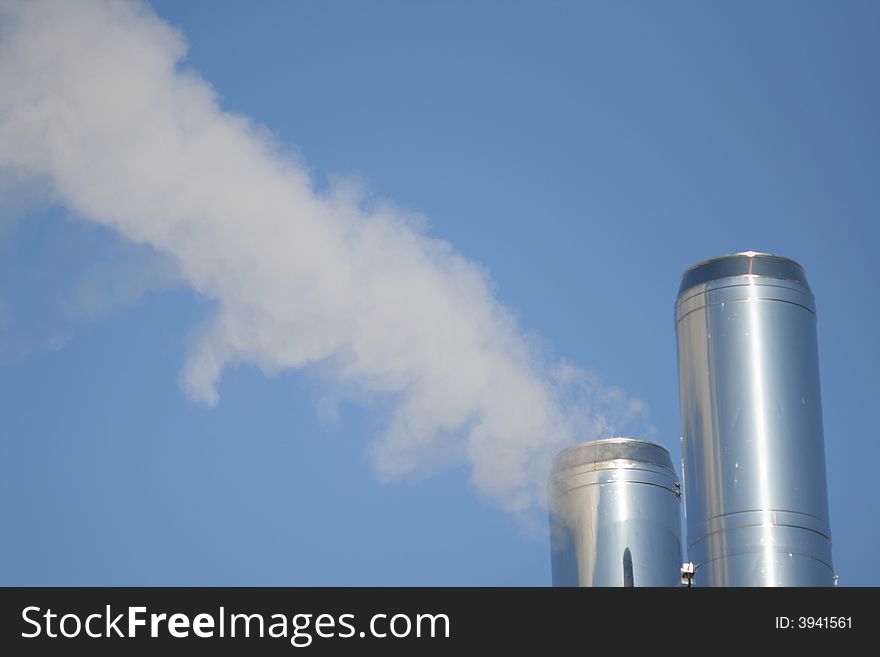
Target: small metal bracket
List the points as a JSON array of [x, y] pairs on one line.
[[688, 571]]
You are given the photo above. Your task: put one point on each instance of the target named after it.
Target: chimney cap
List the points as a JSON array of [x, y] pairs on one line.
[[613, 449], [745, 263]]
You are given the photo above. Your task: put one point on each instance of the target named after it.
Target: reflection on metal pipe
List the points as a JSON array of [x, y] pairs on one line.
[[614, 515], [754, 453], [628, 581]]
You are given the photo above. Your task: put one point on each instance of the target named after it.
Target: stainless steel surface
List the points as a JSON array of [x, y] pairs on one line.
[[614, 515], [754, 454]]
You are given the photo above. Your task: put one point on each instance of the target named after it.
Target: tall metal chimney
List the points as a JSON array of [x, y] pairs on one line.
[[614, 515], [753, 449]]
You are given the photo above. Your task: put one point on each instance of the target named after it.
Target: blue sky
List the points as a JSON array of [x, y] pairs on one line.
[[583, 153]]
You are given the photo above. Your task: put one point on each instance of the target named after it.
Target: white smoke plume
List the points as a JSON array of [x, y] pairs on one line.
[[97, 104]]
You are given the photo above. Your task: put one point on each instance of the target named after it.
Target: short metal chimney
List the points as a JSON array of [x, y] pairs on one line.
[[614, 515]]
